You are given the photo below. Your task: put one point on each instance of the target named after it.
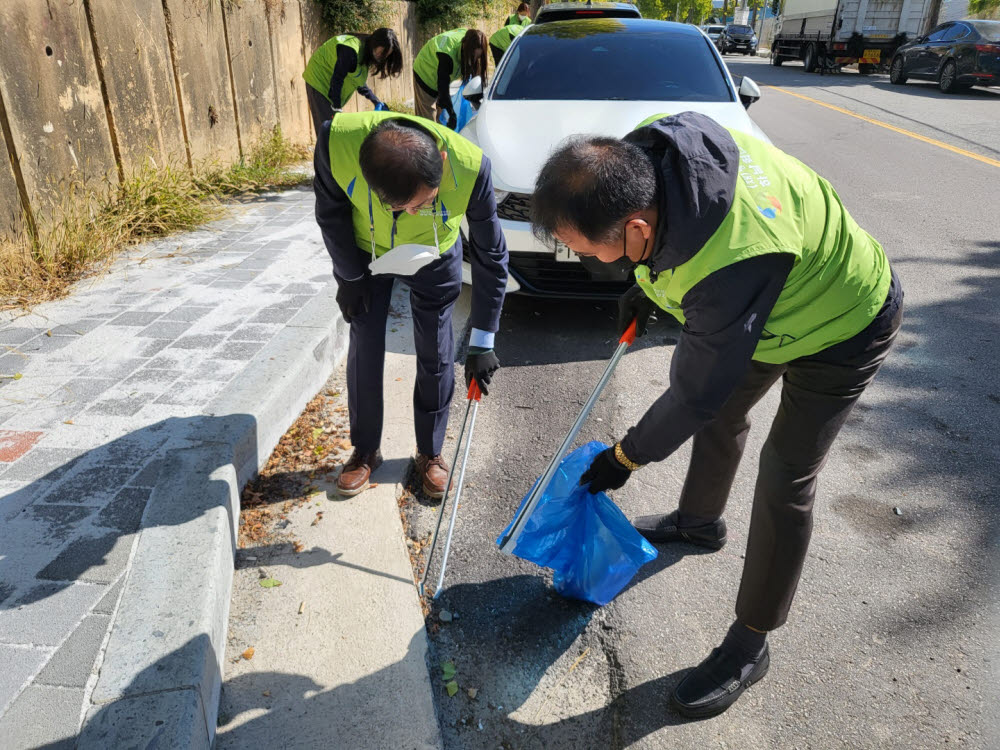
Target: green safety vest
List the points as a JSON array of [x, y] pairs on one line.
[[503, 38], [515, 20], [319, 71], [425, 65], [347, 132], [840, 277]]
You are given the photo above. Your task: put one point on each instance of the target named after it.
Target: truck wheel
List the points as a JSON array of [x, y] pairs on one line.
[[809, 58], [896, 74], [776, 59], [866, 69]]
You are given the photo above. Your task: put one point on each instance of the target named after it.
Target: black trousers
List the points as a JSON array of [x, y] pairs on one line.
[[319, 107], [497, 54], [817, 395], [433, 292]]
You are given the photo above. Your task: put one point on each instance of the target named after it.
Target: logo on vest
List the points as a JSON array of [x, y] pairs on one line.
[[768, 205]]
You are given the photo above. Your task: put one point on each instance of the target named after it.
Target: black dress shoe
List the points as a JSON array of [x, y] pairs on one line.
[[661, 529], [717, 683]]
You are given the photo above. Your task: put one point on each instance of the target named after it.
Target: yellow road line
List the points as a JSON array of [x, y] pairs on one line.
[[887, 126]]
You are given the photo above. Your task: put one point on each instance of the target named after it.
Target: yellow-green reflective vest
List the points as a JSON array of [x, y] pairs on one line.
[[347, 132], [425, 65], [319, 71], [502, 39], [840, 277], [514, 19]]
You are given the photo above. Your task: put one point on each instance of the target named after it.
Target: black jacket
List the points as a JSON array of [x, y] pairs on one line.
[[487, 250], [697, 165]]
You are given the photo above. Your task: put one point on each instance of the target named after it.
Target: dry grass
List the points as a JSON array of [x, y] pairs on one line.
[[93, 228]]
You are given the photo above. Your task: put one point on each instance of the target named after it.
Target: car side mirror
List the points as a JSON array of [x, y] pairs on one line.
[[749, 92], [473, 88]]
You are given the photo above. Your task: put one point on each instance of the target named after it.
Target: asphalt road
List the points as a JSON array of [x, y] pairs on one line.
[[891, 636]]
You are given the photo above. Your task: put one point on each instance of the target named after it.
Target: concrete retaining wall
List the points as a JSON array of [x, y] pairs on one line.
[[91, 90]]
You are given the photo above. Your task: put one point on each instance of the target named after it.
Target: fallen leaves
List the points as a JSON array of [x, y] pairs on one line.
[[248, 654], [452, 688], [447, 670], [269, 583]]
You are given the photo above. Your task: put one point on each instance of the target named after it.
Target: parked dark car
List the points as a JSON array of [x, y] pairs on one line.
[[957, 55], [738, 38], [577, 10]]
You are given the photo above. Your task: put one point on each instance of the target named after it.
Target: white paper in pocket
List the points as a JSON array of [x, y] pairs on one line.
[[405, 260]]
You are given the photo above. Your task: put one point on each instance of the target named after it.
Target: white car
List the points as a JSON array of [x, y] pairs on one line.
[[603, 77], [713, 31]]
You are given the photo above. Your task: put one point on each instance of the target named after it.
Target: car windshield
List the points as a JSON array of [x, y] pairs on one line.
[[714, 29], [741, 29], [602, 59], [989, 30], [583, 12]]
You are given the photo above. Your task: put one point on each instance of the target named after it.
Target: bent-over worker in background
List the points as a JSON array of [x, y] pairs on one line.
[[459, 54], [342, 65], [502, 39], [771, 279], [384, 181]]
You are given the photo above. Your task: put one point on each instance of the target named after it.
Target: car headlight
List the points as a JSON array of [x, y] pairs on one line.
[[501, 195], [753, 40]]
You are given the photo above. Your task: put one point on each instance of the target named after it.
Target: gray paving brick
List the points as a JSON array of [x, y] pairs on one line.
[[110, 600], [73, 662], [6, 589], [97, 559], [195, 394], [43, 717], [206, 341], [240, 350], [19, 664], [59, 521], [257, 263], [44, 344], [189, 313], [84, 390], [58, 607], [112, 369], [214, 369], [258, 332], [147, 477], [40, 461], [78, 328], [89, 486], [241, 274], [132, 449], [227, 284], [13, 363], [300, 288], [151, 375], [124, 512], [122, 406], [165, 329], [133, 318], [274, 315], [154, 347], [12, 336]]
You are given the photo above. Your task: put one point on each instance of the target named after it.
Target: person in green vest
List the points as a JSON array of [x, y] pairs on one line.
[[771, 279], [521, 16], [342, 65], [393, 182], [455, 55], [502, 39]]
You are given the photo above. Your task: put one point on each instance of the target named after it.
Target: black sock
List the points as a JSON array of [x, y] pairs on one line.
[[747, 642]]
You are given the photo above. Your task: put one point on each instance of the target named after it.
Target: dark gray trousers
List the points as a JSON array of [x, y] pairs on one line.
[[319, 107], [817, 395], [433, 292]]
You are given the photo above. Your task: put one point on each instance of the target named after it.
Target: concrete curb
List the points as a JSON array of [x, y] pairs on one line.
[[160, 680]]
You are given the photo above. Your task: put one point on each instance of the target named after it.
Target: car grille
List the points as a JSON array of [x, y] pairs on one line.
[[517, 207], [541, 274]]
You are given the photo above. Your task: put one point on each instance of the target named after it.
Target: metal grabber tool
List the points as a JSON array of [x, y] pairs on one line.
[[470, 421], [509, 542]]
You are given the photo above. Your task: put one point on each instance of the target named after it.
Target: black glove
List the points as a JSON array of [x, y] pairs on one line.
[[452, 121], [605, 473], [480, 364], [634, 304], [354, 297]]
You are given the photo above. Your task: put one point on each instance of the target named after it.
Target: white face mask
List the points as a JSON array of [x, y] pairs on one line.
[[403, 260]]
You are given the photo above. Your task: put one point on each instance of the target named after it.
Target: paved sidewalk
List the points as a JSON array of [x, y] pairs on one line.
[[131, 413]]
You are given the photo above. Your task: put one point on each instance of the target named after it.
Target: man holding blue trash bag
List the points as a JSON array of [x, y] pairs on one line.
[[771, 278], [391, 193]]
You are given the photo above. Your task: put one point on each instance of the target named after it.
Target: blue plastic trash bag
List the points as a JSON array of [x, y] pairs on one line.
[[380, 107], [463, 110], [592, 548]]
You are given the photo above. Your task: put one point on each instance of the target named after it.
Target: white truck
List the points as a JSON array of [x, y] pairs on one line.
[[828, 34]]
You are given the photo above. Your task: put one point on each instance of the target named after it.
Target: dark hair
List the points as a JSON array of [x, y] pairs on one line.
[[474, 39], [398, 158], [392, 63], [522, 8], [592, 184]]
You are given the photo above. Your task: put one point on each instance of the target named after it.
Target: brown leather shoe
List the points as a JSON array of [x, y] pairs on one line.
[[354, 476], [433, 473]]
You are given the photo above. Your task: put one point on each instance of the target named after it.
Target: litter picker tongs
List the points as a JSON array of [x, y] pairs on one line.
[[470, 421], [509, 542]]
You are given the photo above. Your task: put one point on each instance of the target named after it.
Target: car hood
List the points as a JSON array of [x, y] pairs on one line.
[[518, 136]]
